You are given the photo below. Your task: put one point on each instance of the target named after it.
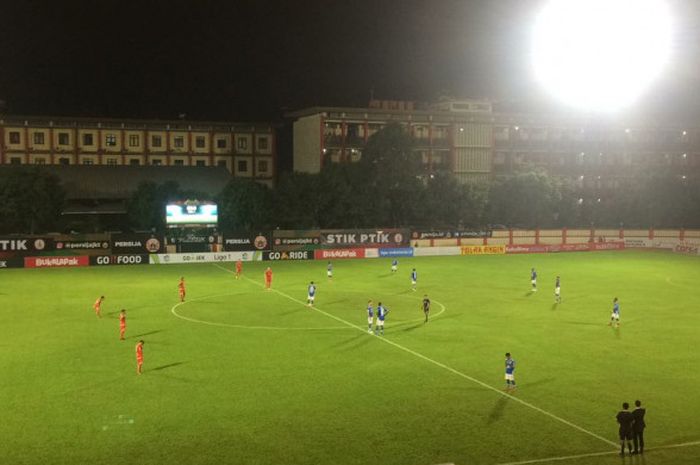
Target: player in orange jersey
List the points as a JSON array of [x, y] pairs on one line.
[[122, 324], [97, 306], [181, 289], [239, 268], [268, 278], [139, 357]]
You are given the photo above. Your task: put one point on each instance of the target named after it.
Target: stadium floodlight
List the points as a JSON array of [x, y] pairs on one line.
[[600, 55]]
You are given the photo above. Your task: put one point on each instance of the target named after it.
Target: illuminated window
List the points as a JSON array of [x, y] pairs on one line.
[[39, 161], [39, 138], [87, 161], [134, 140], [242, 143], [111, 140]]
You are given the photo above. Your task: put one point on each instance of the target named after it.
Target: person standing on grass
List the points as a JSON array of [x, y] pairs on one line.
[[181, 288], [533, 279], [370, 316], [414, 278], [394, 265], [426, 307], [139, 357], [122, 324], [557, 291], [381, 316], [268, 278], [312, 294], [510, 372], [615, 317], [625, 419], [97, 306], [638, 427], [239, 268], [329, 271]]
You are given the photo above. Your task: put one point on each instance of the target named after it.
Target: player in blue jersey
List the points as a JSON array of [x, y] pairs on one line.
[[312, 294], [370, 316], [510, 372], [329, 270], [533, 280], [414, 278], [557, 291], [394, 265], [615, 317], [381, 316]]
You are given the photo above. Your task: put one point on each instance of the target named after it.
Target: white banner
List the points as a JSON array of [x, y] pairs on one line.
[[371, 253], [433, 251], [204, 257]]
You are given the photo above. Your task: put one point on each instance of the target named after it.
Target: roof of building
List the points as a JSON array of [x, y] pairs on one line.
[[119, 182]]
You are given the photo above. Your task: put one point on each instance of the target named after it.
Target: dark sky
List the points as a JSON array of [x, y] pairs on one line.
[[251, 60]]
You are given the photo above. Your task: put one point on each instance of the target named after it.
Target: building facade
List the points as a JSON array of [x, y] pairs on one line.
[[246, 150]]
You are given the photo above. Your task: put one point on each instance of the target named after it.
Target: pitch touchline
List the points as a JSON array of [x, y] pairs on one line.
[[595, 454], [442, 365]]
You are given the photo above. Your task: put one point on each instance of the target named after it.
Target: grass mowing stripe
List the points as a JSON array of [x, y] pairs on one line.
[[441, 365]]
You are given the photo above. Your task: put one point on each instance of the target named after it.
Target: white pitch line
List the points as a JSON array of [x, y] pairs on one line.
[[446, 367], [596, 454]]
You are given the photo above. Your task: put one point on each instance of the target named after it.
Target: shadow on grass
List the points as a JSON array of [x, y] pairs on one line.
[[156, 331], [536, 383], [412, 327], [555, 306], [528, 293], [497, 410], [165, 367]]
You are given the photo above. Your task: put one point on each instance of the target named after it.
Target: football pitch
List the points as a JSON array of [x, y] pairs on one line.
[[241, 375]]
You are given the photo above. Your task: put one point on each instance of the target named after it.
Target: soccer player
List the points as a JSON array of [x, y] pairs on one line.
[[533, 280], [414, 278], [557, 291], [381, 316], [139, 357], [329, 270], [312, 294], [98, 306], [268, 278], [615, 317], [370, 316], [625, 419], [510, 372], [426, 307], [122, 324], [239, 268], [181, 288], [394, 265], [638, 427]]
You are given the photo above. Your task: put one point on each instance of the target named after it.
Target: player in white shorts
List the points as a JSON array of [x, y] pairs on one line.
[[533, 280], [615, 317], [312, 294], [394, 265], [370, 316], [557, 291], [329, 270]]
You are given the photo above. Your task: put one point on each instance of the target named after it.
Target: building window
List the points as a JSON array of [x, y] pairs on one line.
[[221, 143], [179, 162], [156, 141], [222, 163], [134, 161], [262, 166], [39, 138], [15, 160], [87, 161], [179, 142], [200, 163], [262, 143], [200, 142], [88, 139], [63, 161], [156, 162], [63, 138], [112, 161], [134, 140], [39, 161], [111, 140], [14, 137], [242, 166], [242, 143]]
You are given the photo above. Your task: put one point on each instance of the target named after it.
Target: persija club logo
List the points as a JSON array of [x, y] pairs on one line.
[[153, 245], [260, 242]]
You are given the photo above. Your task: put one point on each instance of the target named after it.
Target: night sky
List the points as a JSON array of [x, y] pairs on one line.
[[253, 60]]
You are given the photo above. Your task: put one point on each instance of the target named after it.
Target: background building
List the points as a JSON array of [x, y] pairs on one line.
[[244, 149]]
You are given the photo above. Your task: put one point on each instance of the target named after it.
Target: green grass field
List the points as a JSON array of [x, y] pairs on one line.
[[259, 378]]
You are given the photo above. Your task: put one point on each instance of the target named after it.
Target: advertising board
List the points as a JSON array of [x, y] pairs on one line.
[[55, 262], [396, 252], [483, 249], [288, 240], [203, 257], [344, 238], [245, 241], [291, 255], [136, 244], [102, 260], [325, 254], [24, 245]]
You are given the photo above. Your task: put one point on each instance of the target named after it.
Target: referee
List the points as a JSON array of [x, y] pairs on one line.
[[638, 427], [426, 307], [625, 419]]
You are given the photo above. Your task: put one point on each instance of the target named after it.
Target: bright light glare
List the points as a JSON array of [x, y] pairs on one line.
[[600, 55]]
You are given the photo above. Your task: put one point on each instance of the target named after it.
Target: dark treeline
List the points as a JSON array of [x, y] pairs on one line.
[[388, 187]]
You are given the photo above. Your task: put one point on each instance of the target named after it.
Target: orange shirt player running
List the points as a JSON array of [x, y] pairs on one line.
[[122, 324], [239, 268], [268, 278], [97, 305], [139, 357], [181, 289]]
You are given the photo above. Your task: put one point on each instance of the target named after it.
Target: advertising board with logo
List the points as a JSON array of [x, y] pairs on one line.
[[396, 252], [245, 241], [11, 263], [449, 234], [289, 255], [204, 257], [77, 244], [55, 262], [554, 248], [327, 254], [11, 246], [483, 249], [136, 244], [295, 240], [364, 238], [102, 260]]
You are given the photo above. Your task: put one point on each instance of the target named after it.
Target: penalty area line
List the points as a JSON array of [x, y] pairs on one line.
[[445, 367]]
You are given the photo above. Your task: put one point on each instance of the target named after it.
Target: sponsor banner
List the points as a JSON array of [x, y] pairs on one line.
[[11, 263], [553, 248], [449, 234], [637, 243], [99, 260], [483, 249], [244, 241], [687, 249], [52, 262], [436, 251], [372, 253], [295, 240], [204, 257], [396, 252], [192, 238], [136, 244], [291, 255], [607, 245], [322, 254], [364, 237], [24, 246], [76, 244]]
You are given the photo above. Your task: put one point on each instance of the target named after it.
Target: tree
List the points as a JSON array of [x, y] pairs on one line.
[[146, 206], [31, 200], [244, 205]]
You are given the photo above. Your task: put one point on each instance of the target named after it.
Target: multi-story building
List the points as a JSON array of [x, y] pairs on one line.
[[246, 150], [471, 140]]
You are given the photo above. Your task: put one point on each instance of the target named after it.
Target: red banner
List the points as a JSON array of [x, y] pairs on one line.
[[551, 248], [339, 253], [52, 262]]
